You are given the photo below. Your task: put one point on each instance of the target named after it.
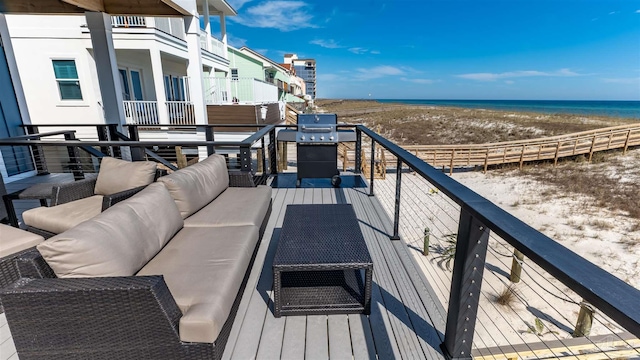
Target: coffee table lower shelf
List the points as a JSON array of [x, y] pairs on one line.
[[313, 292]]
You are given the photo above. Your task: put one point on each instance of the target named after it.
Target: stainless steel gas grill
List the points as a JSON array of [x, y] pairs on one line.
[[317, 140]]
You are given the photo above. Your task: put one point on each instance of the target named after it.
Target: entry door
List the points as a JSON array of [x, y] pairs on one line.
[[16, 159]]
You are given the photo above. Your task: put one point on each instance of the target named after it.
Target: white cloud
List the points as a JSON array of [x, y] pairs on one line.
[[509, 82], [638, 11], [418, 81], [329, 44], [377, 72], [613, 12], [358, 50], [237, 4], [277, 14], [375, 52], [236, 42], [517, 74], [622, 80]]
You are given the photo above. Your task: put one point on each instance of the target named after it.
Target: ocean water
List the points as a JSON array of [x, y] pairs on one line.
[[625, 109]]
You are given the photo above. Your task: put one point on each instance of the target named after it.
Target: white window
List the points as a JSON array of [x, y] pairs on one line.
[[67, 79]]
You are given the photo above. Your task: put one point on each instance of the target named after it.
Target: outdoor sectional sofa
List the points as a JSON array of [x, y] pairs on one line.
[[157, 276]]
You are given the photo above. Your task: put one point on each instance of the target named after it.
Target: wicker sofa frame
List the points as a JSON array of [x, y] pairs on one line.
[[133, 317]]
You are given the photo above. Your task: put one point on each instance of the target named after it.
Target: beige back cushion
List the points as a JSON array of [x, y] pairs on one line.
[[195, 186], [118, 175], [119, 241]]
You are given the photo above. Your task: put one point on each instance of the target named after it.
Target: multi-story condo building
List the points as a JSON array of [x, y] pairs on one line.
[[306, 69]]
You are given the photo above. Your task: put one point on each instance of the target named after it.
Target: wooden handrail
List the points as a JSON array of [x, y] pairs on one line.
[[520, 151]]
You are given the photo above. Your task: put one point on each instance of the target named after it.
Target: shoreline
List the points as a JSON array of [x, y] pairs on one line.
[[615, 109]]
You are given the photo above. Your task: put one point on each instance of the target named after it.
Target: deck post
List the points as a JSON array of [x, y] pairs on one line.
[[471, 251], [137, 153], [38, 152], [396, 216], [103, 135], [626, 142], [373, 163], [245, 158], [208, 136], [113, 136], [74, 156], [273, 154], [358, 166]]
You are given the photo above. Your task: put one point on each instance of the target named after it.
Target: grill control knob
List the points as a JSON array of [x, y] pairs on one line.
[[321, 137], [302, 137], [331, 138], [312, 137]]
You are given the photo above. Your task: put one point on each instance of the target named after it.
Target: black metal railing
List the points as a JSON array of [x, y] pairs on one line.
[[478, 222], [478, 217]]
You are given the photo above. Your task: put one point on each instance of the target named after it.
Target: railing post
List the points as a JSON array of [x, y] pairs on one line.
[[38, 153], [358, 166], [103, 135], [245, 158], [273, 154], [373, 163], [208, 136], [74, 155], [471, 251], [396, 215], [113, 136], [137, 153]]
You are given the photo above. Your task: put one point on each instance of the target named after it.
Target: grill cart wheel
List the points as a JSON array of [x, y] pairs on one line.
[[336, 180]]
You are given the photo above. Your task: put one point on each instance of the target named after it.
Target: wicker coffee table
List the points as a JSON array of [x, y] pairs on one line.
[[322, 265]]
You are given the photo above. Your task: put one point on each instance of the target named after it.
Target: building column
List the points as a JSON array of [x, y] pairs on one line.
[[194, 69], [158, 84], [105, 56], [207, 24], [13, 70], [223, 35]]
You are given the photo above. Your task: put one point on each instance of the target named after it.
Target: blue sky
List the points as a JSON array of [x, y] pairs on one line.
[[448, 49]]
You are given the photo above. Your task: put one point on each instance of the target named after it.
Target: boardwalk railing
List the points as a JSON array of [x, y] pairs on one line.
[[551, 148], [518, 152]]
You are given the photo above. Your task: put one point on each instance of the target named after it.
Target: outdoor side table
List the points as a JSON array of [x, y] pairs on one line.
[[322, 264], [42, 192]]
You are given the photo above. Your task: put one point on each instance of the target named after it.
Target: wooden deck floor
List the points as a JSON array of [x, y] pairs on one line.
[[405, 321]]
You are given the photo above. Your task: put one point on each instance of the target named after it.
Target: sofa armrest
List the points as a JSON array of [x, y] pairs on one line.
[[241, 179], [92, 317], [68, 192], [110, 200]]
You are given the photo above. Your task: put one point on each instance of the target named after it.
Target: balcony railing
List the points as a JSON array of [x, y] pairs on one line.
[[239, 91], [171, 26], [141, 112], [181, 113], [128, 21], [215, 46]]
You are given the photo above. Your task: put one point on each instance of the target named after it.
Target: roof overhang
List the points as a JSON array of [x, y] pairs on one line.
[[128, 7], [218, 7]]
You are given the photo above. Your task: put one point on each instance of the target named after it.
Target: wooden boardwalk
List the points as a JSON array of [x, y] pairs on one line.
[[551, 148], [406, 321]]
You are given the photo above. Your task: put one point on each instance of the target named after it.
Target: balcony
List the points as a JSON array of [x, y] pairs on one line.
[[433, 306], [220, 91], [171, 26], [146, 112]]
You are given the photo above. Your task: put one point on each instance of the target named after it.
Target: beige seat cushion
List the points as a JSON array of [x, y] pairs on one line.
[[119, 241], [197, 185], [13, 240], [235, 206], [117, 175], [60, 218], [203, 269]]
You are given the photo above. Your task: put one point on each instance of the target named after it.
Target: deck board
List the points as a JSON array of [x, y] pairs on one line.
[[399, 327]]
